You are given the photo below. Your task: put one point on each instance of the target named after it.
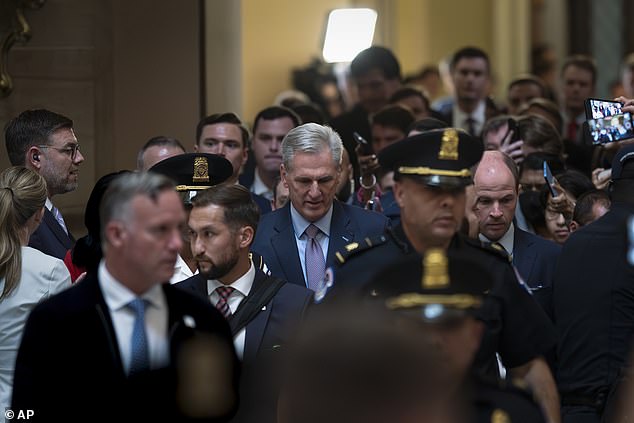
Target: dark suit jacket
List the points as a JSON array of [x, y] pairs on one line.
[[270, 329], [69, 365], [536, 259], [50, 238], [275, 237], [446, 113]]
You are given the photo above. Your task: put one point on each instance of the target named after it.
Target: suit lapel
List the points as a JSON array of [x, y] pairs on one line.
[[523, 255], [255, 328], [56, 229], [199, 286], [341, 233], [285, 247], [103, 315]]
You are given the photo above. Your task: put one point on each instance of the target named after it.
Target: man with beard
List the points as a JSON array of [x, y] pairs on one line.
[[44, 141], [262, 310]]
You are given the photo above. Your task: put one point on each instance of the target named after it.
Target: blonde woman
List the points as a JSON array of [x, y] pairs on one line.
[[27, 276]]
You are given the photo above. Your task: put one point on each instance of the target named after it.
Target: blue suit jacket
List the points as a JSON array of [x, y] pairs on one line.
[[535, 259], [275, 237], [271, 328], [272, 325], [50, 238]]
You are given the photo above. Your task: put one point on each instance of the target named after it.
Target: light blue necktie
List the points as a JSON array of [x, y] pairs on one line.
[[140, 357], [315, 263], [59, 218]]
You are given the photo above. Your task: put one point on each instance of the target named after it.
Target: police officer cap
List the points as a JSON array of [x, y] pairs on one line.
[[440, 287], [192, 172], [440, 157], [623, 163]]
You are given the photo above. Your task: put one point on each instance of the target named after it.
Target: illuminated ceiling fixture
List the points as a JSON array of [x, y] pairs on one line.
[[348, 32]]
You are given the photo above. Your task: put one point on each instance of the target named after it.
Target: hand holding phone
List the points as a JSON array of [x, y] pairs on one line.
[[365, 149], [512, 142]]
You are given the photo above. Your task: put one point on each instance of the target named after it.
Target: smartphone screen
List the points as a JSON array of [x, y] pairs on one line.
[[611, 129], [598, 109], [550, 180]]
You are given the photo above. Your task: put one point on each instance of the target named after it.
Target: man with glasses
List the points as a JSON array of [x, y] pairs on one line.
[[44, 141]]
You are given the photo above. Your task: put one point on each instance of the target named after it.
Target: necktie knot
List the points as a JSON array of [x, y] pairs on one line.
[[312, 231], [225, 292], [496, 245], [470, 123], [138, 307]]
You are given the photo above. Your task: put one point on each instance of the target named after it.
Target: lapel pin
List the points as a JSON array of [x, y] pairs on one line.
[[263, 308], [189, 321]]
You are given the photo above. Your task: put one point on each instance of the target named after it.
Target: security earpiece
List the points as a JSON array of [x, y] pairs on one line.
[[36, 157]]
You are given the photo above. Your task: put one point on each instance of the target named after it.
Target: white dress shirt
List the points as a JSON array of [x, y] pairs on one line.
[[478, 116], [299, 226], [242, 286], [117, 297], [181, 271], [260, 188], [506, 241]]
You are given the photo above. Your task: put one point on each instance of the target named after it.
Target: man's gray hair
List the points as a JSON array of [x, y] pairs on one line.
[[311, 138], [115, 204]]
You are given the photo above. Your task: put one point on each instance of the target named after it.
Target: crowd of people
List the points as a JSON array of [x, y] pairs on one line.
[[404, 260]]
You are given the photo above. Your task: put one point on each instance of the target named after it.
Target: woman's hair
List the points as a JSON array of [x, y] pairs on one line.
[[22, 194]]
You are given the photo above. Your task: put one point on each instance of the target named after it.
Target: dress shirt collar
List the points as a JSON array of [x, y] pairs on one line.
[[48, 204], [243, 284], [506, 241], [478, 115], [118, 296], [300, 224], [260, 188]]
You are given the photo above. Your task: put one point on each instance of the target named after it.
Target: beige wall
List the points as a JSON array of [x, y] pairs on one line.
[[123, 71], [126, 71], [265, 40], [278, 35]]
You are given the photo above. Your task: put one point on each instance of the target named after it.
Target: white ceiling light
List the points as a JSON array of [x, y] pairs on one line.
[[349, 31]]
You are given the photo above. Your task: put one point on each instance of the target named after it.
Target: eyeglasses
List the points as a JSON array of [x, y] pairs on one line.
[[70, 151]]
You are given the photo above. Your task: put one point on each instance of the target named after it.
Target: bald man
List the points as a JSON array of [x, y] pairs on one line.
[[496, 185]]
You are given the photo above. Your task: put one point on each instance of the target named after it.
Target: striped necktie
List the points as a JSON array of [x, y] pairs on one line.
[[224, 292], [59, 218]]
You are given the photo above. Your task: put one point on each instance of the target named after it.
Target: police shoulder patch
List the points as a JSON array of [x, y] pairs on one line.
[[357, 247]]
